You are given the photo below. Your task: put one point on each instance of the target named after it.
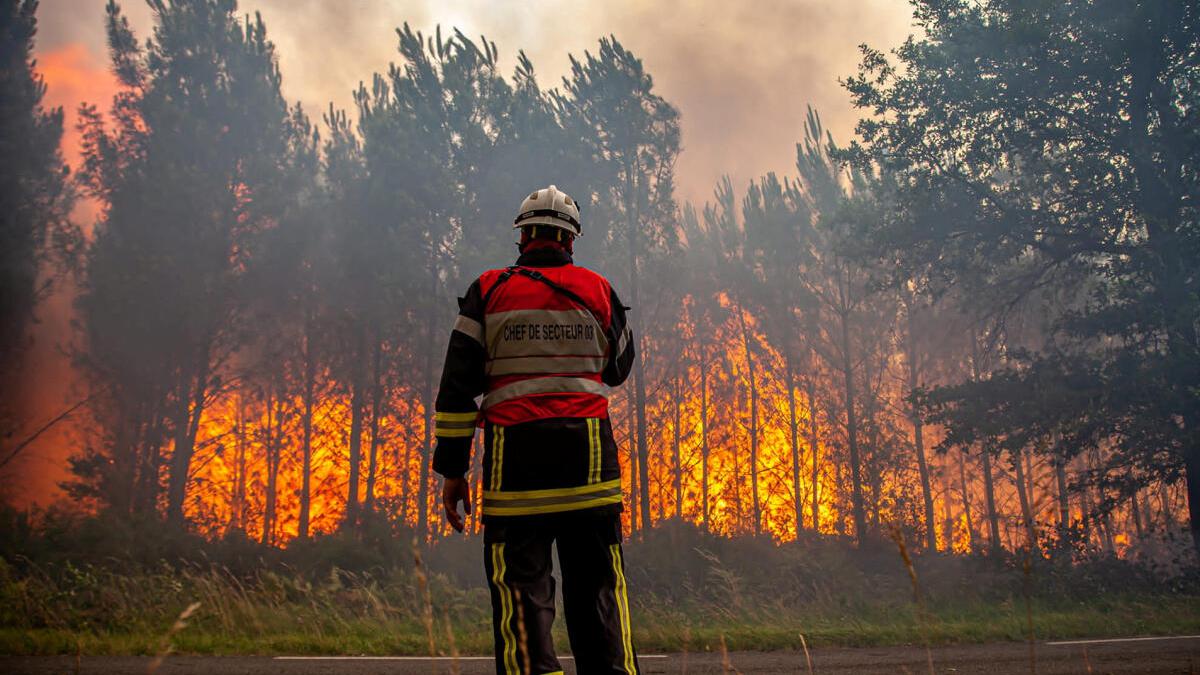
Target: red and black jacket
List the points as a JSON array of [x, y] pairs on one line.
[[542, 342]]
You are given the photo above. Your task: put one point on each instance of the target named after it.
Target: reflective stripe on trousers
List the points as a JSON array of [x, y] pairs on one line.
[[595, 593], [530, 502]]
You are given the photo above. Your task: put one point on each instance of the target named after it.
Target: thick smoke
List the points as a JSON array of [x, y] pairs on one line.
[[741, 74]]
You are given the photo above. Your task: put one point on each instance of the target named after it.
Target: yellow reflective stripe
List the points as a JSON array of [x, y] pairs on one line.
[[552, 492], [509, 655], [453, 433], [593, 425], [501, 510], [622, 598], [497, 456], [599, 450], [454, 424]]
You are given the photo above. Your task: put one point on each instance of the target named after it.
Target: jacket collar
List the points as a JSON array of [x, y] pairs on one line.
[[551, 256]]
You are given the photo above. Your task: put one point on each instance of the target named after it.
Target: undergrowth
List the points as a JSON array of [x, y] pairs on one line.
[[67, 590]]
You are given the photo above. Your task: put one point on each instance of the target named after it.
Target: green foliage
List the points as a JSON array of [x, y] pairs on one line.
[[1045, 161]]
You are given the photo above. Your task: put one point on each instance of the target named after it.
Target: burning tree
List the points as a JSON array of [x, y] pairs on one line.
[[186, 178]]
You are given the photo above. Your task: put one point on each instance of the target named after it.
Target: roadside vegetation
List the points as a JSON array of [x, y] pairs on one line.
[[97, 586]]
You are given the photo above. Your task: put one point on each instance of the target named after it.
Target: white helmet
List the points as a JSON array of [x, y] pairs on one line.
[[550, 206]]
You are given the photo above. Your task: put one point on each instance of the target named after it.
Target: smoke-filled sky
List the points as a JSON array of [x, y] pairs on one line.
[[741, 73]]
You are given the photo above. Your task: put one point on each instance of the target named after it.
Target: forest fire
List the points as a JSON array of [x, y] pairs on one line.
[[250, 447], [282, 385], [245, 438]]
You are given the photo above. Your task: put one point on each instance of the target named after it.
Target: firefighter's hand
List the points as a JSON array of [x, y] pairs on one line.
[[455, 490]]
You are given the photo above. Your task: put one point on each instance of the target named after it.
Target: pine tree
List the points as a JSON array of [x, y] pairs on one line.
[[632, 136], [34, 193], [1054, 145], [188, 175]]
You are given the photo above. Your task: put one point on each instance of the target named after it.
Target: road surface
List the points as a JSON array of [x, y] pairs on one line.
[[1175, 655]]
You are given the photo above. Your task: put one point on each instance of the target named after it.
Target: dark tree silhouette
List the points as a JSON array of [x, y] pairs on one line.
[[1045, 144], [34, 194]]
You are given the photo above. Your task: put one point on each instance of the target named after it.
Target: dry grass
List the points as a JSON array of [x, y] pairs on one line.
[[697, 594], [166, 647]]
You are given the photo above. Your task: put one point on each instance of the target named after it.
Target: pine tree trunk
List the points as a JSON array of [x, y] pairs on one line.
[[919, 438], [948, 519], [1064, 503], [1103, 517], [678, 477], [633, 209], [989, 487], [1030, 476], [704, 437], [1110, 545], [376, 413], [795, 439], [874, 480], [1085, 508], [273, 451], [966, 500], [148, 475], [358, 386], [643, 453], [738, 510], [1135, 512], [989, 493], [310, 386], [192, 394], [1165, 508], [128, 448], [757, 519], [1024, 498], [814, 453], [860, 517], [237, 519], [181, 454]]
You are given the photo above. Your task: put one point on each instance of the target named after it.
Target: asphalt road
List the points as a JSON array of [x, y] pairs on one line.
[[1148, 656]]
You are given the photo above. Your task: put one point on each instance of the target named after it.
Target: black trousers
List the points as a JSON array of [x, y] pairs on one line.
[[518, 562]]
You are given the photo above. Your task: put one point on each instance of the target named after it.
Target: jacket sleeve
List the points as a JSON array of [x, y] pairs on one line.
[[462, 381], [620, 339]]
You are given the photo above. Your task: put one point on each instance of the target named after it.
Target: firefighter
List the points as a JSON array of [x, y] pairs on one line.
[[542, 341]]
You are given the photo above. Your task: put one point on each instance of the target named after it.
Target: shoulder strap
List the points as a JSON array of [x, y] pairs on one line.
[[504, 276], [538, 276]]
